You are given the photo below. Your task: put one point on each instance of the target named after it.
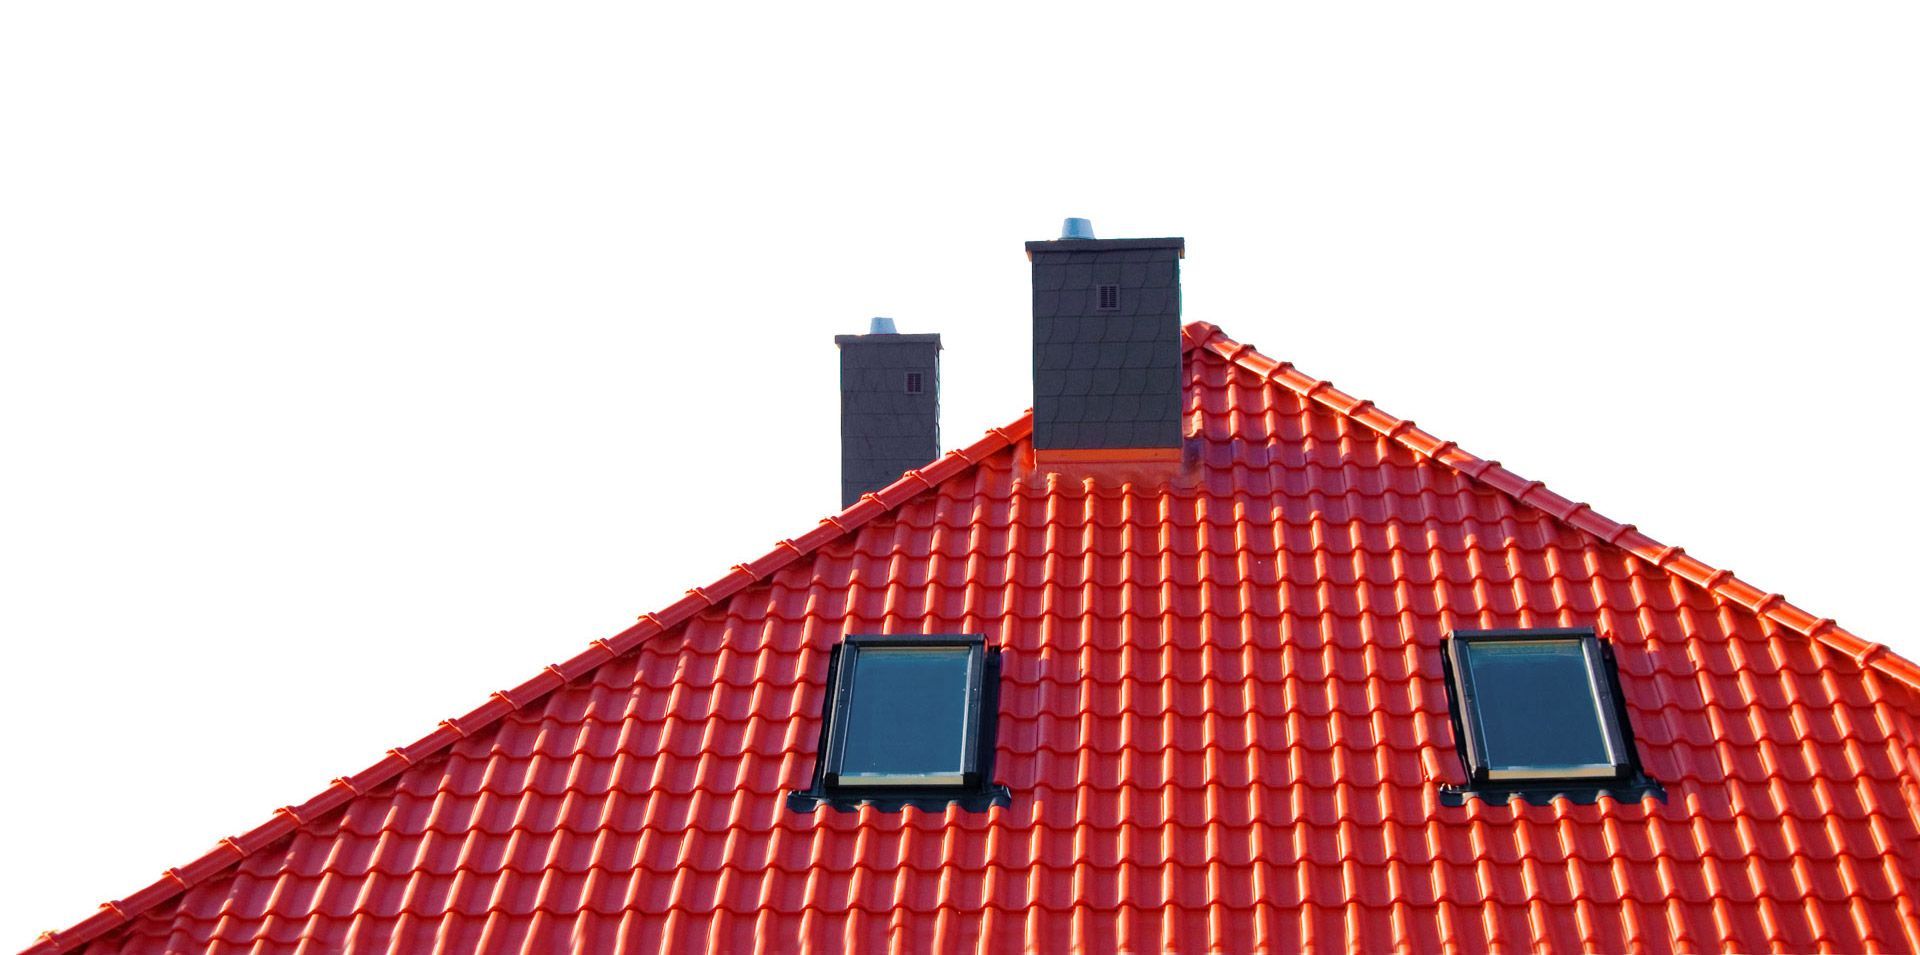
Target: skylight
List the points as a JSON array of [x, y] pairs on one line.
[[1538, 708], [909, 720]]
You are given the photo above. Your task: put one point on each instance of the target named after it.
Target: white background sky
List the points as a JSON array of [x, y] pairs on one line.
[[359, 360]]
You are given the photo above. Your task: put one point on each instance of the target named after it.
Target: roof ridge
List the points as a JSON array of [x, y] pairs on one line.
[[230, 851], [1577, 514]]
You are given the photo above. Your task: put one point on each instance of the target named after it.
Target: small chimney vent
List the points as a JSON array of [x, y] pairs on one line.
[[1076, 229]]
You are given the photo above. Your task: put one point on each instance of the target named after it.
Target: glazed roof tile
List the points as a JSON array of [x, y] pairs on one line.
[[1222, 717]]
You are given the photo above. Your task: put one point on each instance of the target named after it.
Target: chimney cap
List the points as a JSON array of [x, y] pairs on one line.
[[882, 331], [1176, 243], [1076, 228], [887, 334]]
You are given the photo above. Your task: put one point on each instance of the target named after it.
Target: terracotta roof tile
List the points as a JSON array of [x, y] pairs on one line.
[[1222, 718]]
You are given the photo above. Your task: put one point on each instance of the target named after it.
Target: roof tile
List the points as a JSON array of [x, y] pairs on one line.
[[1222, 716]]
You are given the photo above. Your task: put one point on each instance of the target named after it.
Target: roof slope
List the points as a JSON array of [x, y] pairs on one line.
[[1222, 719]]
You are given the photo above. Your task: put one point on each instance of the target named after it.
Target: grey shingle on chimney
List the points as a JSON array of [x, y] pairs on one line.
[[1106, 343], [889, 408]]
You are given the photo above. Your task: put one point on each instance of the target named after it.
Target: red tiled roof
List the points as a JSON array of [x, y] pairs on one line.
[[1222, 719]]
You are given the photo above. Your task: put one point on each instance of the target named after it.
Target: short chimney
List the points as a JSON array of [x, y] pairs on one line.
[[889, 407], [1106, 348]]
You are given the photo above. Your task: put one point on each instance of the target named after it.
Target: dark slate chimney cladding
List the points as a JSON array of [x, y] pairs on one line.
[[1106, 345], [889, 407]]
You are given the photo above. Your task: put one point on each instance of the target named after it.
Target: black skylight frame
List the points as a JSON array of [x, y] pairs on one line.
[[970, 787], [1621, 777]]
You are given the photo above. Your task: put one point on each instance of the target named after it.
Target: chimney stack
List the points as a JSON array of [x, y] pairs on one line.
[[1106, 348], [889, 407]]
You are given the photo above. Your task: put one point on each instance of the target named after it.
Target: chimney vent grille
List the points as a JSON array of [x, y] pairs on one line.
[[1109, 298], [915, 383]]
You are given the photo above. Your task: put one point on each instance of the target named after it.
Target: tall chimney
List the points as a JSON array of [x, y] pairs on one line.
[[889, 407], [1106, 348]]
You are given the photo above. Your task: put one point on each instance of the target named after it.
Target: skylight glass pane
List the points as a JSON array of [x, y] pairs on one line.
[[908, 713], [1535, 704]]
